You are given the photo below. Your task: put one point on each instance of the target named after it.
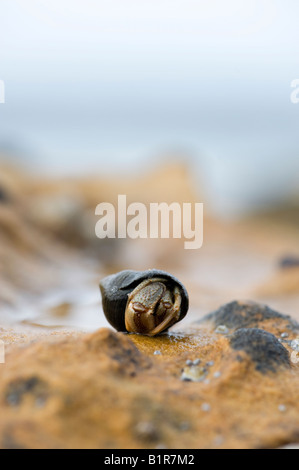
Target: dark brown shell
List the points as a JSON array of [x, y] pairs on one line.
[[116, 287]]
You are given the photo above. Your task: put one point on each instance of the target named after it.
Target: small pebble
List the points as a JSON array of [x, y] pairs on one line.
[[3, 196], [193, 374], [40, 402], [217, 374], [282, 408], [218, 440], [161, 446], [189, 362], [210, 363], [222, 329], [295, 344], [146, 430], [157, 352], [206, 407], [284, 335], [295, 357], [184, 426], [13, 399]]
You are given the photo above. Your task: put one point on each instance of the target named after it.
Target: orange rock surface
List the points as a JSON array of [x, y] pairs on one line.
[[114, 390]]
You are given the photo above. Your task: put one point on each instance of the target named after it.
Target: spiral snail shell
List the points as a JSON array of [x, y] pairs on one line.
[[145, 302]]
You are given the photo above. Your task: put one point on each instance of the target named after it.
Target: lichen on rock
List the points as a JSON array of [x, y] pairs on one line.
[[263, 347]]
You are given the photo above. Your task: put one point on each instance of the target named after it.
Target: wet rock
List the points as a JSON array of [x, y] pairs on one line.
[[238, 314], [62, 389], [124, 356], [295, 344], [4, 197], [289, 262], [264, 348], [107, 389], [18, 389]]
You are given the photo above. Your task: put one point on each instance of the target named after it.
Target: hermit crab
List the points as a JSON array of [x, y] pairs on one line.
[[145, 302]]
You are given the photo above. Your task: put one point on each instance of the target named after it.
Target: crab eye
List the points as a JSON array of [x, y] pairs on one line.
[[138, 307], [167, 305]]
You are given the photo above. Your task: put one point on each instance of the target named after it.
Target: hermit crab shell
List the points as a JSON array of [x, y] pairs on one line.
[[116, 288]]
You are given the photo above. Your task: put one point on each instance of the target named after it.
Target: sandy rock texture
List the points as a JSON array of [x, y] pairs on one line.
[[226, 382]]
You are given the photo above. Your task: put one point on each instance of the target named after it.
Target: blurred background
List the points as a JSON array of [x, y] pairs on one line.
[[115, 84], [162, 100]]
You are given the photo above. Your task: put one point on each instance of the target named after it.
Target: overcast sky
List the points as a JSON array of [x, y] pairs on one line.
[[119, 80]]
